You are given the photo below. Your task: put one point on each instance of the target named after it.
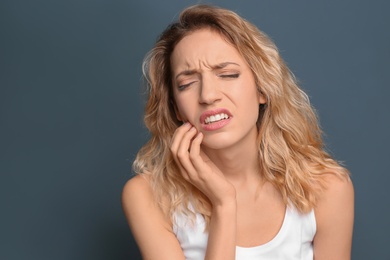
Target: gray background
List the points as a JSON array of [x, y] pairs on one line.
[[71, 112]]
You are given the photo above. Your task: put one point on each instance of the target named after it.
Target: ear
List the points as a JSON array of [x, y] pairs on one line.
[[261, 98]]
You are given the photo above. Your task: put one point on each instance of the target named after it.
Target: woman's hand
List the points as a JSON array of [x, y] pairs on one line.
[[197, 168], [200, 171]]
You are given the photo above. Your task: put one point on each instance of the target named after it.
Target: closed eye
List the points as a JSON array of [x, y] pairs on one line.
[[233, 76], [182, 87]]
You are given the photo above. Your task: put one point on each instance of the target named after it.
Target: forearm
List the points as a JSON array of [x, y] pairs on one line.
[[222, 233]]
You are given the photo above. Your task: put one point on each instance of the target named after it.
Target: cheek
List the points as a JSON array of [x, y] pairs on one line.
[[251, 104], [185, 111]]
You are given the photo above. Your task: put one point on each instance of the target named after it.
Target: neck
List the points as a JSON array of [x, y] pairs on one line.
[[239, 163]]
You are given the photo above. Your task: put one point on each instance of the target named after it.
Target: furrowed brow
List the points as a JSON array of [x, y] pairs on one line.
[[224, 64], [186, 73], [214, 67]]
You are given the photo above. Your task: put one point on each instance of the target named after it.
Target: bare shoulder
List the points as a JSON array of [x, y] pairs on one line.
[[151, 229], [334, 216], [138, 201], [338, 191], [136, 186]]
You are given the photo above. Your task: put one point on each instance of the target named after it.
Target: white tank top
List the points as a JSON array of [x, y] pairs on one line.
[[293, 241]]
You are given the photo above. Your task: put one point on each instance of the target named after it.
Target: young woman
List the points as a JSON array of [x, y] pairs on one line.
[[235, 167]]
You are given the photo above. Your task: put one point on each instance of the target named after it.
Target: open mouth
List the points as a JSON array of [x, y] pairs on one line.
[[216, 118]]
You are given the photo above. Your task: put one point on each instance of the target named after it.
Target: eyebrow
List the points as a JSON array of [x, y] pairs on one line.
[[214, 67]]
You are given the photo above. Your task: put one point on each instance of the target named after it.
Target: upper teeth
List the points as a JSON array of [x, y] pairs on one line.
[[214, 118]]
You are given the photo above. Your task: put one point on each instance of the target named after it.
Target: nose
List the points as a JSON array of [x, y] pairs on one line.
[[209, 91]]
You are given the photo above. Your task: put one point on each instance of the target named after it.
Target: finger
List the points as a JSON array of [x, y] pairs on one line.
[[183, 152], [195, 145], [179, 148], [180, 131], [185, 142], [195, 154], [177, 137], [183, 172]]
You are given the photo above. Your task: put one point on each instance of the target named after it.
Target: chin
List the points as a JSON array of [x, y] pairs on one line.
[[217, 142]]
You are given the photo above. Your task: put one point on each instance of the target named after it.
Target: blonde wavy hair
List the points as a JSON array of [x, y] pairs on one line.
[[290, 145]]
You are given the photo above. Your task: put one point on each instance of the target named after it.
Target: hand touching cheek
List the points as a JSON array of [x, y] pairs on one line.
[[197, 168]]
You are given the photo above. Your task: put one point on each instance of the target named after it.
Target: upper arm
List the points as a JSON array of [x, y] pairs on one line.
[[334, 215], [151, 230]]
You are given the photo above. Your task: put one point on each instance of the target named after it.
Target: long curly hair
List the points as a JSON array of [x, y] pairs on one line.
[[290, 146]]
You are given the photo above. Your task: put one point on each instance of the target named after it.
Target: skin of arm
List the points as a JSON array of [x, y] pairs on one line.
[[222, 229], [334, 215], [200, 171], [151, 230]]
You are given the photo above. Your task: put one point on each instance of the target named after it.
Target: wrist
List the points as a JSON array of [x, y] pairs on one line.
[[225, 207], [227, 200]]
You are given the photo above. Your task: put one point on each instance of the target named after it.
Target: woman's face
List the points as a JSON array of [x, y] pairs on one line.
[[214, 89]]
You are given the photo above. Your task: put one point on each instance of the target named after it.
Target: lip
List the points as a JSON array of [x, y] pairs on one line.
[[215, 125]]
